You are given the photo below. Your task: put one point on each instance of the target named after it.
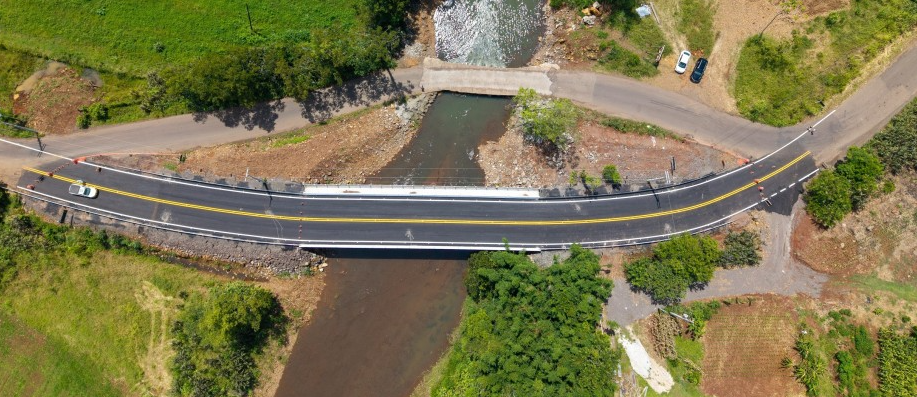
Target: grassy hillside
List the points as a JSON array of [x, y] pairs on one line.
[[83, 313], [135, 36], [780, 82]]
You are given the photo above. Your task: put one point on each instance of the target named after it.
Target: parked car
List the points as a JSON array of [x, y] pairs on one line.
[[682, 63], [80, 189], [699, 68]]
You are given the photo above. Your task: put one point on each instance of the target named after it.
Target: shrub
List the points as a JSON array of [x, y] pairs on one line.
[[611, 176], [549, 121], [863, 170], [83, 121], [741, 249], [828, 198], [216, 336], [676, 264]]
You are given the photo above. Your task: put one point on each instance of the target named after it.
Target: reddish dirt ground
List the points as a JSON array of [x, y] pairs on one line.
[[54, 103], [879, 238], [510, 162], [744, 345], [344, 150]]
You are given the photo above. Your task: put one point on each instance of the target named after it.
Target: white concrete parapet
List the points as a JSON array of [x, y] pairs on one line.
[[419, 191]]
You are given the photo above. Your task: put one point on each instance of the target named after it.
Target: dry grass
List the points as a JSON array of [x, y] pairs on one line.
[[744, 345]]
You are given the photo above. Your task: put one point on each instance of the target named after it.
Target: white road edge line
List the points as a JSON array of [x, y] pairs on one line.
[[414, 244]]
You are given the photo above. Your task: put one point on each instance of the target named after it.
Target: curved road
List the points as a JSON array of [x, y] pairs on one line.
[[464, 223]]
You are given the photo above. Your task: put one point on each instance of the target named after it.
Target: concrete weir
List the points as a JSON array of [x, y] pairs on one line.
[[444, 76]]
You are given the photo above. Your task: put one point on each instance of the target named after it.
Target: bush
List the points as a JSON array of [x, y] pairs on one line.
[[216, 336], [828, 198], [741, 249], [676, 264], [863, 170], [550, 121], [896, 144], [611, 176]]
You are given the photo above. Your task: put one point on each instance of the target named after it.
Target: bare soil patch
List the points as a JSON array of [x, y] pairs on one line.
[[513, 162], [343, 150], [52, 102], [818, 7], [744, 345], [880, 238]]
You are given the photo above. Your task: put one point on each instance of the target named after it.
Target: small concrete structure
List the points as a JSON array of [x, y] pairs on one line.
[[444, 76]]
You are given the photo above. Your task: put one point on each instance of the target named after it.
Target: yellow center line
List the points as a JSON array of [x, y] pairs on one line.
[[433, 221]]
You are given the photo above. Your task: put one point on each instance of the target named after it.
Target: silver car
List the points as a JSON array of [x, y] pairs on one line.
[[682, 64], [80, 189]]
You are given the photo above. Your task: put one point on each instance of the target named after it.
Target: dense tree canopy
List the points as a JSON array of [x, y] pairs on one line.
[[530, 331]]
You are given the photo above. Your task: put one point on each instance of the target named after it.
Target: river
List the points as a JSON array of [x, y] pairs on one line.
[[385, 316]]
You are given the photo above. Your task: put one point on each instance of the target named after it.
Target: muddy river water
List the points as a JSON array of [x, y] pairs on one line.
[[385, 316]]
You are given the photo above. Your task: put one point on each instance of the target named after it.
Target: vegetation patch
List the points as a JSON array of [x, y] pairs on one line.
[[549, 122], [289, 140], [780, 82], [619, 59], [84, 294], [217, 337], [530, 331], [695, 21], [676, 265], [896, 144], [639, 128]]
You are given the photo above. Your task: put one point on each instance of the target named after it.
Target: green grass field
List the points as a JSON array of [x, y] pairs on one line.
[[82, 313], [33, 364], [135, 36], [101, 318]]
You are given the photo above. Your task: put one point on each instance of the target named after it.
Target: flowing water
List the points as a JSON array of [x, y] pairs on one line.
[[445, 150], [385, 317], [489, 32]]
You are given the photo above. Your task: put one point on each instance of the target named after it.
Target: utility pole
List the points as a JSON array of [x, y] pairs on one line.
[[769, 23]]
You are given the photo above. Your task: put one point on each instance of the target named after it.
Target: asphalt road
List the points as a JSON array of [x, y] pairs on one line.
[[458, 223], [417, 222]]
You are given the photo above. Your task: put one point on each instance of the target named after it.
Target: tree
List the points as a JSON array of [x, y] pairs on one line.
[[863, 170], [675, 266], [529, 331], [741, 249], [828, 198], [385, 14], [610, 175], [547, 120], [216, 336]]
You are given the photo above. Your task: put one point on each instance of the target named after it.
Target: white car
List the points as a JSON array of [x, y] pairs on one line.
[[682, 64], [80, 189]]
